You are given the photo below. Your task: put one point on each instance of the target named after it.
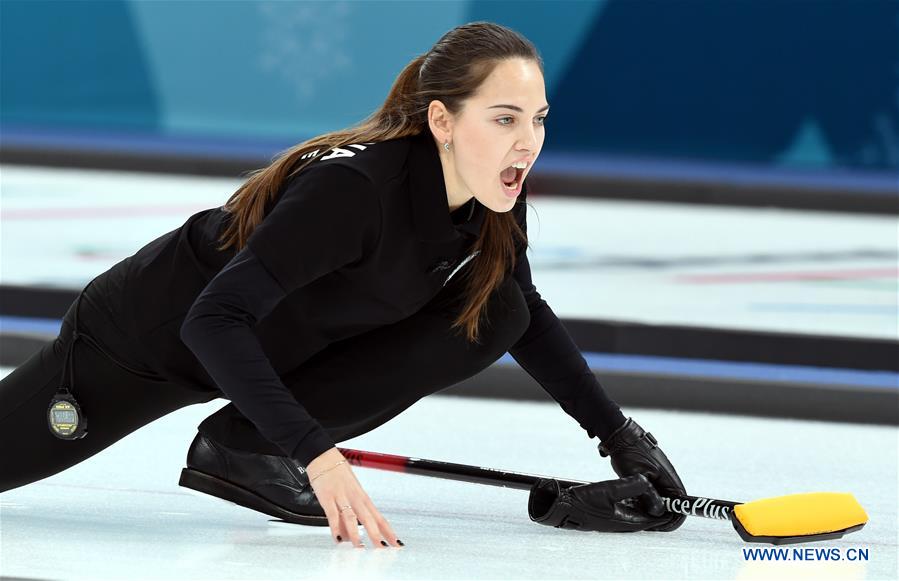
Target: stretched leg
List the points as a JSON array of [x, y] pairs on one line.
[[115, 402]]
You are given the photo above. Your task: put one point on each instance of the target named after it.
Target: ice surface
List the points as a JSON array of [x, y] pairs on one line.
[[764, 269], [121, 514]]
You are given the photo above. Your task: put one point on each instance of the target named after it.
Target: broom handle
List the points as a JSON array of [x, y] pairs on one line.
[[688, 505]]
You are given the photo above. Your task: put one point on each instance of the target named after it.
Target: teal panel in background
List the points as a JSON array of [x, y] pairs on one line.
[[282, 69], [556, 28], [74, 65]]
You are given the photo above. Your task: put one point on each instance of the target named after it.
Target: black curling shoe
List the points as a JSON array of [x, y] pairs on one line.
[[274, 485]]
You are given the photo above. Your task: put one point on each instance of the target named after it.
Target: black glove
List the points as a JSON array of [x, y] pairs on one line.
[[600, 506], [634, 451]]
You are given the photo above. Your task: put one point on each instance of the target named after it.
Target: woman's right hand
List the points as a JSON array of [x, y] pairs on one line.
[[338, 488]]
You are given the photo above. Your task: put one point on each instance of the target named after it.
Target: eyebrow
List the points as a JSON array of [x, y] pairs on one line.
[[516, 108]]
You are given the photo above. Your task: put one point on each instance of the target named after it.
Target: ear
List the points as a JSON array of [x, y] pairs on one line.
[[440, 120]]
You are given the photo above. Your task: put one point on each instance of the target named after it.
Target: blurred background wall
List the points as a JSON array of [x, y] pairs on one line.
[[778, 83]]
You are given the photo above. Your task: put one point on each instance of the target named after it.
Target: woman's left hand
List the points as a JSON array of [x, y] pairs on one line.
[[599, 506], [633, 450]]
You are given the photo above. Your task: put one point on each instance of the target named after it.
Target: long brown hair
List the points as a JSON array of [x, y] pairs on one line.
[[451, 71]]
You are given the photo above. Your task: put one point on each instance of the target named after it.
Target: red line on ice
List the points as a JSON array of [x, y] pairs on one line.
[[789, 276], [89, 212]]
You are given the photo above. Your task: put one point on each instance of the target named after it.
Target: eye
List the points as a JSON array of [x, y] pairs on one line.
[[541, 118]]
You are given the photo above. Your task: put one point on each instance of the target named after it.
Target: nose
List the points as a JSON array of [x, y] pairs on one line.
[[527, 139]]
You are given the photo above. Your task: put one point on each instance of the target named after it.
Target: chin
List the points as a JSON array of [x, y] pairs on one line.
[[501, 206]]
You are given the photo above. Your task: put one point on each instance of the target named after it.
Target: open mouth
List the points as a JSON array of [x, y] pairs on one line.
[[511, 177]]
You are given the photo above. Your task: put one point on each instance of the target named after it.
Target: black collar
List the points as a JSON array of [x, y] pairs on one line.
[[430, 208]]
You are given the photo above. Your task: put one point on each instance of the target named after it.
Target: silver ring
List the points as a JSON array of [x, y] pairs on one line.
[[343, 508]]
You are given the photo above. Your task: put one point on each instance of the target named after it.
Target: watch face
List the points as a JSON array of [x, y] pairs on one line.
[[64, 416]]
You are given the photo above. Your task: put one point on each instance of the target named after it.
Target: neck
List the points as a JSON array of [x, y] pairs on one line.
[[455, 193]]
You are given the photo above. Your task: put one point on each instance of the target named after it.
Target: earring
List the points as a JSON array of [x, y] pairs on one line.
[[446, 145]]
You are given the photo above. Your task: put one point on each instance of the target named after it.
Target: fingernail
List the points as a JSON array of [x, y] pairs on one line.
[[384, 543], [400, 543], [339, 539]]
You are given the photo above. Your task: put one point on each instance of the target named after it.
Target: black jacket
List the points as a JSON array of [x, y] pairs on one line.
[[361, 238]]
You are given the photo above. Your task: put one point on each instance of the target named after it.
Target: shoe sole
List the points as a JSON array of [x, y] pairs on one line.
[[225, 490]]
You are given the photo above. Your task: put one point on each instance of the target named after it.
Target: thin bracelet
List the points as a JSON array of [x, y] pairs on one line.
[[325, 470]]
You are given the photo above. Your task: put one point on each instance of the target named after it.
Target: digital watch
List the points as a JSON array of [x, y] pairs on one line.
[[64, 416]]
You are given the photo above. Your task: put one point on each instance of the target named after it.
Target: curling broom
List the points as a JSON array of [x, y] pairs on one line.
[[796, 518]]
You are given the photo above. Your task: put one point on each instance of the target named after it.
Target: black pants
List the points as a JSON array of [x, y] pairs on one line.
[[350, 387]]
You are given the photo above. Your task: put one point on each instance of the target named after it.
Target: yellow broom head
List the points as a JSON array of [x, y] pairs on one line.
[[799, 517]]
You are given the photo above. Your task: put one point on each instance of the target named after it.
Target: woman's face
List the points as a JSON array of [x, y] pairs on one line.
[[500, 125]]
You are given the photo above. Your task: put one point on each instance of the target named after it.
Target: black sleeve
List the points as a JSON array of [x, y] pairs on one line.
[[548, 354], [321, 222]]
